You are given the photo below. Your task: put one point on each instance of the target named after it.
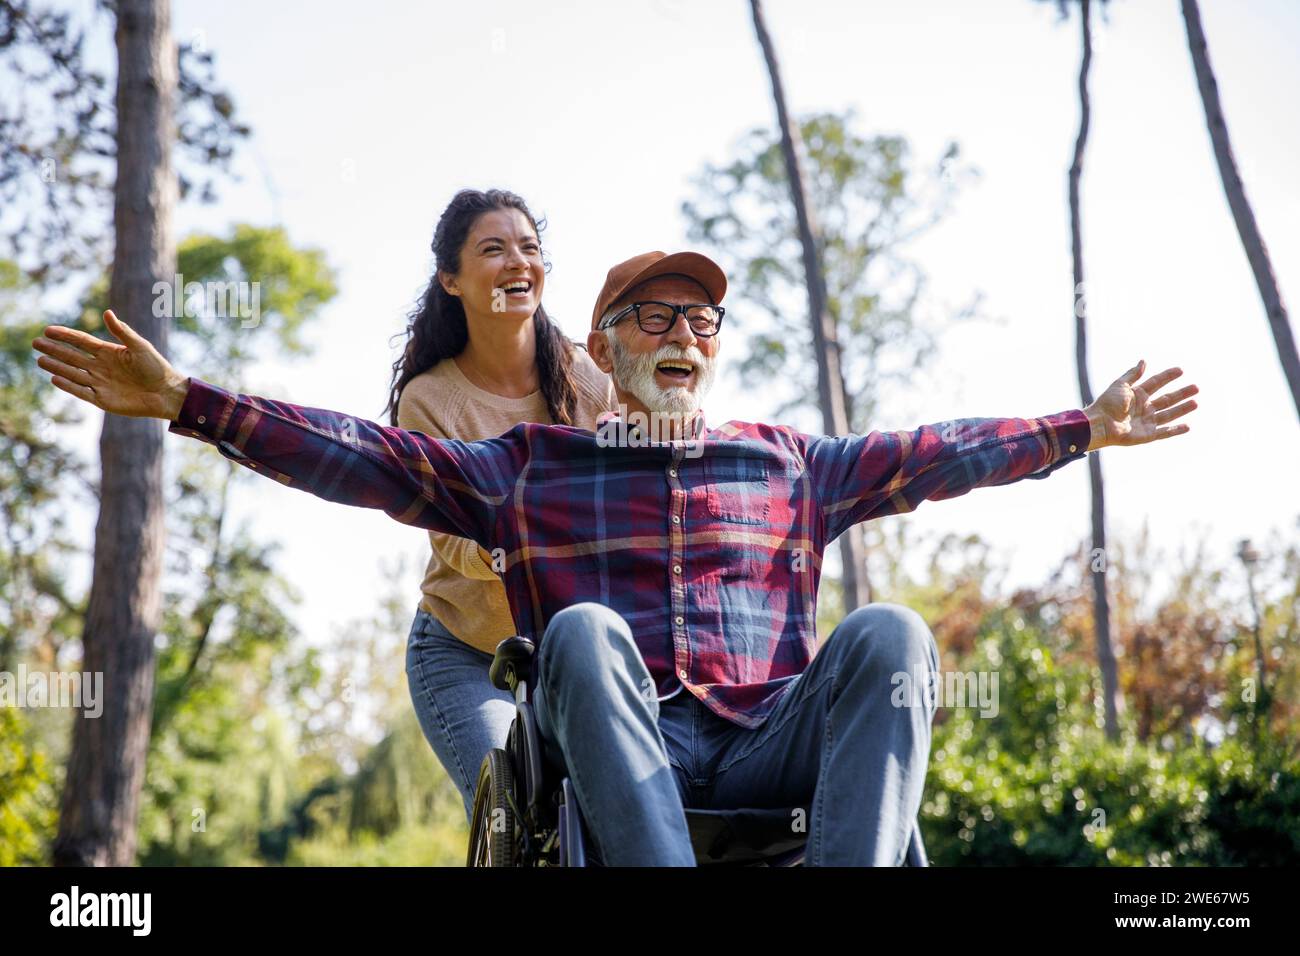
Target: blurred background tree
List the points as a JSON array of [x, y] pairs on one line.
[[868, 204], [1112, 701], [1243, 214]]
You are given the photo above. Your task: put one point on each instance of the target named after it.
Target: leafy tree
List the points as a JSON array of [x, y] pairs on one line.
[[88, 151], [38, 479], [56, 183], [227, 652], [228, 657], [40, 612], [395, 804], [1201, 775], [868, 204]]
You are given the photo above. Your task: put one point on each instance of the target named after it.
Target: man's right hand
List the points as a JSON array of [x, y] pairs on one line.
[[131, 379]]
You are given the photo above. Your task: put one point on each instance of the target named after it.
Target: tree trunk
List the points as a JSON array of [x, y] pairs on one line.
[[1099, 562], [100, 801], [830, 380], [1242, 214]]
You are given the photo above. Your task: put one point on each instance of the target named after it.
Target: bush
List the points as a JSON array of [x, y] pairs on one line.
[[27, 802], [1039, 784]]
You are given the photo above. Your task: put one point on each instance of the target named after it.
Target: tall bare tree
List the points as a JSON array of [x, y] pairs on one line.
[[100, 799], [1242, 214], [1111, 699], [830, 380]]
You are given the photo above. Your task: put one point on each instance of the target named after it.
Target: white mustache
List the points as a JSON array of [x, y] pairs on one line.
[[692, 355]]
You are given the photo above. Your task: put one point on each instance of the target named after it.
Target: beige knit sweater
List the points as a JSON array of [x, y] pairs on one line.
[[460, 588]]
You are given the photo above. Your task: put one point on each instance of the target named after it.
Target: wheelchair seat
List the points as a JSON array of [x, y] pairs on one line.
[[744, 835]]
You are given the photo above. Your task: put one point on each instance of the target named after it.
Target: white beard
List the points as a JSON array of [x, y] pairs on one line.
[[636, 374]]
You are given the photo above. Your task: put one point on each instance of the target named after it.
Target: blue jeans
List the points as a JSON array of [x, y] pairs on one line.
[[462, 715], [838, 742]]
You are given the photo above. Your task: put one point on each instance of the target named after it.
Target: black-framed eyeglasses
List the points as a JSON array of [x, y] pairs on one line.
[[656, 318]]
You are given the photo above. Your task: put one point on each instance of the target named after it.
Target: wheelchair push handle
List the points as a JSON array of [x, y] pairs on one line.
[[512, 664]]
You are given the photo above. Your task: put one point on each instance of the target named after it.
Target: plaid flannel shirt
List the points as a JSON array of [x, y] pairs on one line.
[[710, 548]]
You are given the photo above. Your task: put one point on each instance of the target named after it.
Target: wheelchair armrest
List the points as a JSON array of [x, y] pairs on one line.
[[512, 664]]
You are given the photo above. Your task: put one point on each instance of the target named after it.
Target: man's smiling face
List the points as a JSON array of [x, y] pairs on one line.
[[667, 373]]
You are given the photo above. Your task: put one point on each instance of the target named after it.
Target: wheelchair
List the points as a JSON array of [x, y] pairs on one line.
[[526, 813]]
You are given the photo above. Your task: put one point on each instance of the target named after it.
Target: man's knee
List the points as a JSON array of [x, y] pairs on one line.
[[584, 635], [891, 637]]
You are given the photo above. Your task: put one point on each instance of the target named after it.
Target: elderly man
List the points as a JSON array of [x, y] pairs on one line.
[[668, 570]]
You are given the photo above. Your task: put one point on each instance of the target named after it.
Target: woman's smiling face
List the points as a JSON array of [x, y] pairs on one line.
[[501, 269]]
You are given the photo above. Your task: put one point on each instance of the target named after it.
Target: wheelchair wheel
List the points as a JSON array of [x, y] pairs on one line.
[[493, 827]]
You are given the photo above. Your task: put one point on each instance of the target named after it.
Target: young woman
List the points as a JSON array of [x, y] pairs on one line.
[[481, 356]]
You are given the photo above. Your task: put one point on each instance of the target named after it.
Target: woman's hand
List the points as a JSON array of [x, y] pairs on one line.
[[130, 379], [1129, 414]]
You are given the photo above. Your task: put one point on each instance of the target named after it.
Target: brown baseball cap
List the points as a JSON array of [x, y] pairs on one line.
[[636, 270]]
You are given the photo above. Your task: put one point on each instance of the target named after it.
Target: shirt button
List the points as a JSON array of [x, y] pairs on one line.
[[202, 419], [679, 620], [676, 520], [682, 674], [677, 569], [672, 473], [1072, 447]]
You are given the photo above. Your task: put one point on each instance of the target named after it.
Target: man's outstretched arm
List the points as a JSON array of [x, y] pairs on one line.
[[858, 478], [449, 486]]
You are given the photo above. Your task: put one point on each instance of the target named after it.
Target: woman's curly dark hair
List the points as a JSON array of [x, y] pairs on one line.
[[437, 329]]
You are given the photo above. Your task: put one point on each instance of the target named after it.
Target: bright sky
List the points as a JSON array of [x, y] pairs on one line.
[[368, 117]]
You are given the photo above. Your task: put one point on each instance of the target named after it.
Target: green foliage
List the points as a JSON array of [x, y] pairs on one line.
[[38, 479], [38, 614], [399, 809], [414, 845], [396, 803], [292, 284], [216, 776], [1040, 785], [224, 765], [27, 800]]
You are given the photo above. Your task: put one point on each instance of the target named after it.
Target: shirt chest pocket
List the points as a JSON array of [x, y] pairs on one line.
[[738, 489]]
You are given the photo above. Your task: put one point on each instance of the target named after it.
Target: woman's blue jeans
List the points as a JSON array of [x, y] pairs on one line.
[[462, 715]]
